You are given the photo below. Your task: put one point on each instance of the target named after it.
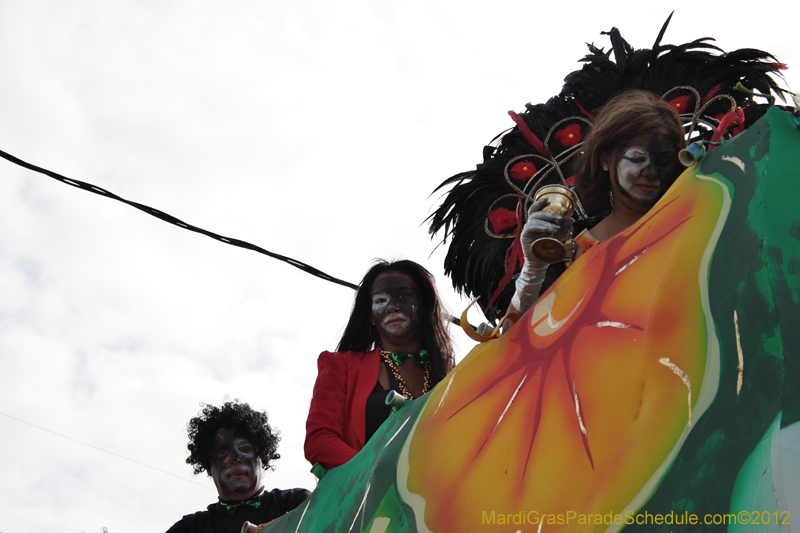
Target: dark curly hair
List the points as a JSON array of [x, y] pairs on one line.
[[360, 336], [240, 417]]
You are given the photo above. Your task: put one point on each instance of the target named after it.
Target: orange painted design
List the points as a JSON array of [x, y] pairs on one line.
[[577, 406], [585, 240]]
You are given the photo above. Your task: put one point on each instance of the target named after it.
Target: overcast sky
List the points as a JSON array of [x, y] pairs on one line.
[[314, 129]]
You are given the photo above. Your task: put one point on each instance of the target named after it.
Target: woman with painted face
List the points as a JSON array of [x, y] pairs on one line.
[[628, 161], [396, 339]]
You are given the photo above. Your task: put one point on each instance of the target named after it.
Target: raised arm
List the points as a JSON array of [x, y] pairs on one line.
[[540, 223]]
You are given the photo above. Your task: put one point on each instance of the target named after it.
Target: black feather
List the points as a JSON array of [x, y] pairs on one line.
[[475, 259]]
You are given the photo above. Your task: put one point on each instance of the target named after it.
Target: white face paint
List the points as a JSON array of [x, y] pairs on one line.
[[235, 466], [395, 308], [645, 169]]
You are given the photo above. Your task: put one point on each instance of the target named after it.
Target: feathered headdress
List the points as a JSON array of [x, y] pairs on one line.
[[484, 209]]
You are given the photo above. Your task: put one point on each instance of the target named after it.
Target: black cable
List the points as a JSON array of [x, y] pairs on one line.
[[177, 222], [172, 220], [103, 450]]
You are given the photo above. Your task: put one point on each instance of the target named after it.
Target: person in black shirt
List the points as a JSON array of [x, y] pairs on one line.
[[234, 444]]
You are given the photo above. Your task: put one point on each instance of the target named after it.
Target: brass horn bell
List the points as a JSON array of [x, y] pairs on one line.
[[560, 201]]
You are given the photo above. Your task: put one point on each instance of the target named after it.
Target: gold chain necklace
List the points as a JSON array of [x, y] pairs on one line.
[[426, 383]]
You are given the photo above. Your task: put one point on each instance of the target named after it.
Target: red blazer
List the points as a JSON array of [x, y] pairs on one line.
[[336, 425]]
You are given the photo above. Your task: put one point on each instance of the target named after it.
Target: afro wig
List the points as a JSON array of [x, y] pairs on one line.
[[246, 423]]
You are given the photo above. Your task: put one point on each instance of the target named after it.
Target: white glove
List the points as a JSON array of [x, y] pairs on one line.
[[540, 224]]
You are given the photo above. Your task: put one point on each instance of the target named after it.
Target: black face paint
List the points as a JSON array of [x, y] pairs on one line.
[[235, 466], [395, 308], [645, 169]]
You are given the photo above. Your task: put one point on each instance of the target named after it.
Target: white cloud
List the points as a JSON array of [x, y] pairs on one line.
[[316, 130]]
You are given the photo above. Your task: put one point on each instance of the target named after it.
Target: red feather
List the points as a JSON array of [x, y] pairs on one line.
[[732, 119], [528, 134], [515, 258]]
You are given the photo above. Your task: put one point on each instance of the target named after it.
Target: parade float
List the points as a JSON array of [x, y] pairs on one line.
[[654, 384]]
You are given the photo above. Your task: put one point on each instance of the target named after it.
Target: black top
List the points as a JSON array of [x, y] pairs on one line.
[[377, 410], [217, 519]]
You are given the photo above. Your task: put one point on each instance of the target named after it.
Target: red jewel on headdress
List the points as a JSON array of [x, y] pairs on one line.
[[571, 181], [522, 170], [501, 219], [680, 103], [569, 136]]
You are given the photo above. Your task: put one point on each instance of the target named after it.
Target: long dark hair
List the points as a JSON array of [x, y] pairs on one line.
[[360, 336], [627, 115]]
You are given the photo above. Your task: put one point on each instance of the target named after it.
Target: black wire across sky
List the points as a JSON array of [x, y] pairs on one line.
[[308, 269], [177, 222]]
